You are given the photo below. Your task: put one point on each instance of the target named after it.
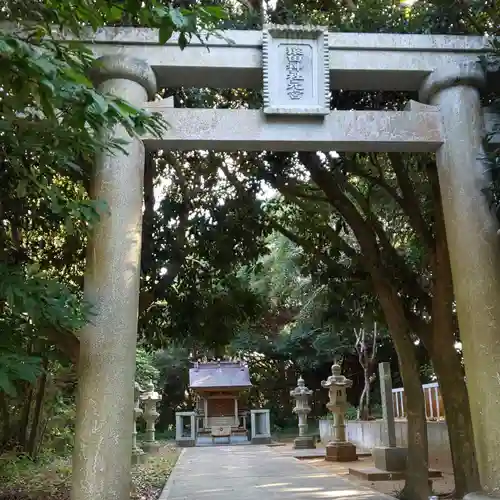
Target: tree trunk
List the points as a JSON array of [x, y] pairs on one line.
[[417, 476], [362, 406], [417, 467], [32, 440], [25, 416], [368, 385], [364, 400], [5, 418], [458, 419]]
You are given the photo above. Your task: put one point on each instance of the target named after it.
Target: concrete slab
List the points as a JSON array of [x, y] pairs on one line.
[[374, 474], [255, 473], [311, 454]]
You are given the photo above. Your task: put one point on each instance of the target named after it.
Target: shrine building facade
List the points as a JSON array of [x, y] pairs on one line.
[[221, 413]]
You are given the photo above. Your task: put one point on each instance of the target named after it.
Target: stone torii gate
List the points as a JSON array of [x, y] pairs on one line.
[[296, 67]]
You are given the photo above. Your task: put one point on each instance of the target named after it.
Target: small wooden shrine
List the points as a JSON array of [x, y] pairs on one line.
[[220, 414]]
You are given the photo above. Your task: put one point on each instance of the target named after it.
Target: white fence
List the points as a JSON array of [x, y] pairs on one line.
[[433, 402]]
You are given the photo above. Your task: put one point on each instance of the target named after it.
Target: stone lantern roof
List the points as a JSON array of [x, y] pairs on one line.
[[336, 379]]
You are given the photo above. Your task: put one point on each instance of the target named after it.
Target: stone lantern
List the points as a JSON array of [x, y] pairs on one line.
[[301, 395], [339, 449], [138, 454], [150, 399]]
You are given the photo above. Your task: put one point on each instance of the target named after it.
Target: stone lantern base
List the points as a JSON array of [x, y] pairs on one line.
[[138, 456], [304, 443], [151, 447], [341, 452]]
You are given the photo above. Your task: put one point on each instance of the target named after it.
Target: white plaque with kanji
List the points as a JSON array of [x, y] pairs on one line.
[[296, 70]]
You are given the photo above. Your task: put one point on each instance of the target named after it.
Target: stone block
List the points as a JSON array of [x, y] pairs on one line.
[[480, 495], [391, 459], [261, 440], [374, 474], [304, 443], [138, 457], [341, 452], [151, 448], [185, 443]]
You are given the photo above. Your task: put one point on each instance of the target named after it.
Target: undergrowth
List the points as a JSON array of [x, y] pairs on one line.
[[49, 478]]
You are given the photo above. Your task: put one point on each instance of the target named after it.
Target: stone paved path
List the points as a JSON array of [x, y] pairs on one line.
[[255, 473]]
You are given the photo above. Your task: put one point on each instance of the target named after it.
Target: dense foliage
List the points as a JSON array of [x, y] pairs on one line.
[[51, 125]]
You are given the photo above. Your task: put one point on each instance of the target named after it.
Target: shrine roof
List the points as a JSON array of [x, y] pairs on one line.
[[219, 374]]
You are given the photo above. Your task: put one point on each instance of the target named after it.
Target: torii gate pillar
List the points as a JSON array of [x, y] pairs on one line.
[[474, 248], [105, 398]]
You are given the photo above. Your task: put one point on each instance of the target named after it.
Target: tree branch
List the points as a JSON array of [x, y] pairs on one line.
[[409, 201]]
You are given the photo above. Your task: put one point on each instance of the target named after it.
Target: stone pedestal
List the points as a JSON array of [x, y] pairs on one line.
[[151, 448], [138, 456], [106, 366], [260, 426], [304, 443], [390, 458], [341, 452], [185, 435], [261, 440]]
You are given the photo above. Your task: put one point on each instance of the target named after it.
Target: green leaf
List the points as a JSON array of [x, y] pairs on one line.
[[6, 385], [178, 19], [5, 48], [99, 106], [183, 40], [115, 14], [166, 30]]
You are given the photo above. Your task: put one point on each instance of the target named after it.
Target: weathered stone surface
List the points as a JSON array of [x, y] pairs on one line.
[[358, 61], [105, 394], [260, 425], [341, 452], [295, 66], [388, 427], [131, 69], [151, 448], [250, 130], [180, 437], [304, 443], [138, 456], [390, 458], [374, 474], [261, 440], [474, 246]]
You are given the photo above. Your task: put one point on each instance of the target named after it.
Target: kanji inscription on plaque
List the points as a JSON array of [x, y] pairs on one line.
[[296, 70]]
